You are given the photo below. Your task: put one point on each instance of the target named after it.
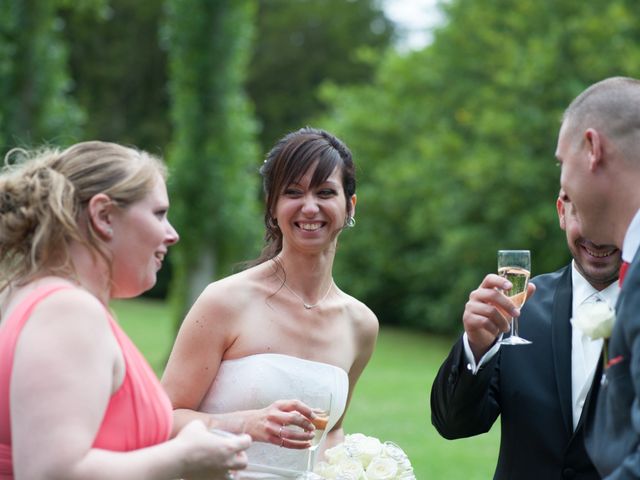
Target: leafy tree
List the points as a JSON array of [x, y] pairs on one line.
[[302, 43], [36, 105], [213, 152], [119, 69], [455, 147]]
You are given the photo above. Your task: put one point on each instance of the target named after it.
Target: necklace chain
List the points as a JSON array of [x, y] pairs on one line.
[[306, 305]]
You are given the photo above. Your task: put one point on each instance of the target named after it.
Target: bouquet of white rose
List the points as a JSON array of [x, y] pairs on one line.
[[361, 457]]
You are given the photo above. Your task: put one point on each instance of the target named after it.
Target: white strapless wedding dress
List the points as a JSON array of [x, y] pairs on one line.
[[259, 380]]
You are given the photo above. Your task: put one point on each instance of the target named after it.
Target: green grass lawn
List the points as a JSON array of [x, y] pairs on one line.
[[391, 400]]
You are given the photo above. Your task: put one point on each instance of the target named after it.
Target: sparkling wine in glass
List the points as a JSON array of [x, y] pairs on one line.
[[320, 402], [515, 266]]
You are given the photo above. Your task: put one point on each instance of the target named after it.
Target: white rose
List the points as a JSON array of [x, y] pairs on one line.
[[405, 466], [594, 319], [363, 448], [354, 437], [351, 467], [391, 450], [382, 468], [347, 476], [335, 455], [326, 470]]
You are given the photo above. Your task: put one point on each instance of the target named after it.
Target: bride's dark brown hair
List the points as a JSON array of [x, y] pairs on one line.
[[288, 161]]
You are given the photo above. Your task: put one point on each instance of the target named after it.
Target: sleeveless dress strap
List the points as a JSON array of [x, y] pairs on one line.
[[10, 330]]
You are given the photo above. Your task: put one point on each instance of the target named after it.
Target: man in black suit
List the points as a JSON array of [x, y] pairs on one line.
[[599, 152], [539, 390]]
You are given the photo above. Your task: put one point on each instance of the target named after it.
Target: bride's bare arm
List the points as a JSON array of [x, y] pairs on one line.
[[209, 329]]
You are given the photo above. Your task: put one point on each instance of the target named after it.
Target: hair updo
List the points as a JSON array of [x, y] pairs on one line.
[[43, 195]]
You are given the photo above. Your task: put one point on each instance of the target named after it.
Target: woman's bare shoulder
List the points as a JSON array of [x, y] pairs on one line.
[[67, 302], [363, 318], [231, 295]]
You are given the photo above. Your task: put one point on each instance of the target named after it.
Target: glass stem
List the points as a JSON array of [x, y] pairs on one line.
[[310, 459]]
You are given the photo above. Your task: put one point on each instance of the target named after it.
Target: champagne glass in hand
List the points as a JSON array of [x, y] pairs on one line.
[[320, 403], [515, 266]]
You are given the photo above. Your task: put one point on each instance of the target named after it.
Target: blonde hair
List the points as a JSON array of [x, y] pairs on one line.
[[44, 194]]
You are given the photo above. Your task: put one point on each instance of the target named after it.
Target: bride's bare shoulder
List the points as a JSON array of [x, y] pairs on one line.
[[240, 288], [362, 317]]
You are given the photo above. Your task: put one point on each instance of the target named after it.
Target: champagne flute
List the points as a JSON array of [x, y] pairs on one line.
[[320, 403], [515, 266]]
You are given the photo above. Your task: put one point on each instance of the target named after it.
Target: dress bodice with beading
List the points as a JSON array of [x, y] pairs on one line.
[[257, 381]]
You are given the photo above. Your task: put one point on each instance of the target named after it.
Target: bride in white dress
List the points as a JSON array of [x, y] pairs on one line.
[[255, 343]]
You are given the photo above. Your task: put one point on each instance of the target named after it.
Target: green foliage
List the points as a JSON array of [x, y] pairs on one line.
[[455, 147], [120, 70], [36, 106], [302, 43], [212, 154]]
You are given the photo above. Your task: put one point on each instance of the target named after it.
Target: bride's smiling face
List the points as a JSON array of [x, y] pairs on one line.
[[312, 216]]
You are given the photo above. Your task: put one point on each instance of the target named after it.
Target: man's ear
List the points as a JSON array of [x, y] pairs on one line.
[[100, 213], [561, 212], [594, 142]]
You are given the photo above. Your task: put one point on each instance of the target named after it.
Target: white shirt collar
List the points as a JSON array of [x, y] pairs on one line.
[[582, 289], [631, 239]]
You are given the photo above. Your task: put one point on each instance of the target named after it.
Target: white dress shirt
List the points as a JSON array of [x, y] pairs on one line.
[[585, 353]]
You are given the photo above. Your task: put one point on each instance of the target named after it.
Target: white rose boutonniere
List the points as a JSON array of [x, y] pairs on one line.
[[595, 319], [361, 457]]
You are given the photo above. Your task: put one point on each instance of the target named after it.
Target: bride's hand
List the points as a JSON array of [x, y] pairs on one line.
[[286, 423]]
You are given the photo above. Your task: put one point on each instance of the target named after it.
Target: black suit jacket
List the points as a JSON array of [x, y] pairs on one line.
[[613, 438], [528, 386]]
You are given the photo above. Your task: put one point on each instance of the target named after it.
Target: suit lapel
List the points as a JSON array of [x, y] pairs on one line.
[[561, 346]]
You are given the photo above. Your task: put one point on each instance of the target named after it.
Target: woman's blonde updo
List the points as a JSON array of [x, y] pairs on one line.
[[43, 195]]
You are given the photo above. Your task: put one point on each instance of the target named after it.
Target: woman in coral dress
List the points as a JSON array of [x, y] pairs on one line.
[[77, 399]]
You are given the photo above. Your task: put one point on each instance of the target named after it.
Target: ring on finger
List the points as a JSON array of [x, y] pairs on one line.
[[280, 431]]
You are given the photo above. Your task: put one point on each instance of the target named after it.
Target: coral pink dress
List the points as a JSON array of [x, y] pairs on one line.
[[138, 414]]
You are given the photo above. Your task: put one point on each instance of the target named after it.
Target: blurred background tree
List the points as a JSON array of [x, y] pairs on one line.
[[35, 89], [213, 149], [303, 43], [119, 68], [455, 145], [454, 142]]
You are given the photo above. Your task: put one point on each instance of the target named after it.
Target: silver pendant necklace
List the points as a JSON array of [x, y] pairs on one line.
[[309, 306]]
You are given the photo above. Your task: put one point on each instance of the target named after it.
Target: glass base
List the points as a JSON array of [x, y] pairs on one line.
[[514, 340]]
